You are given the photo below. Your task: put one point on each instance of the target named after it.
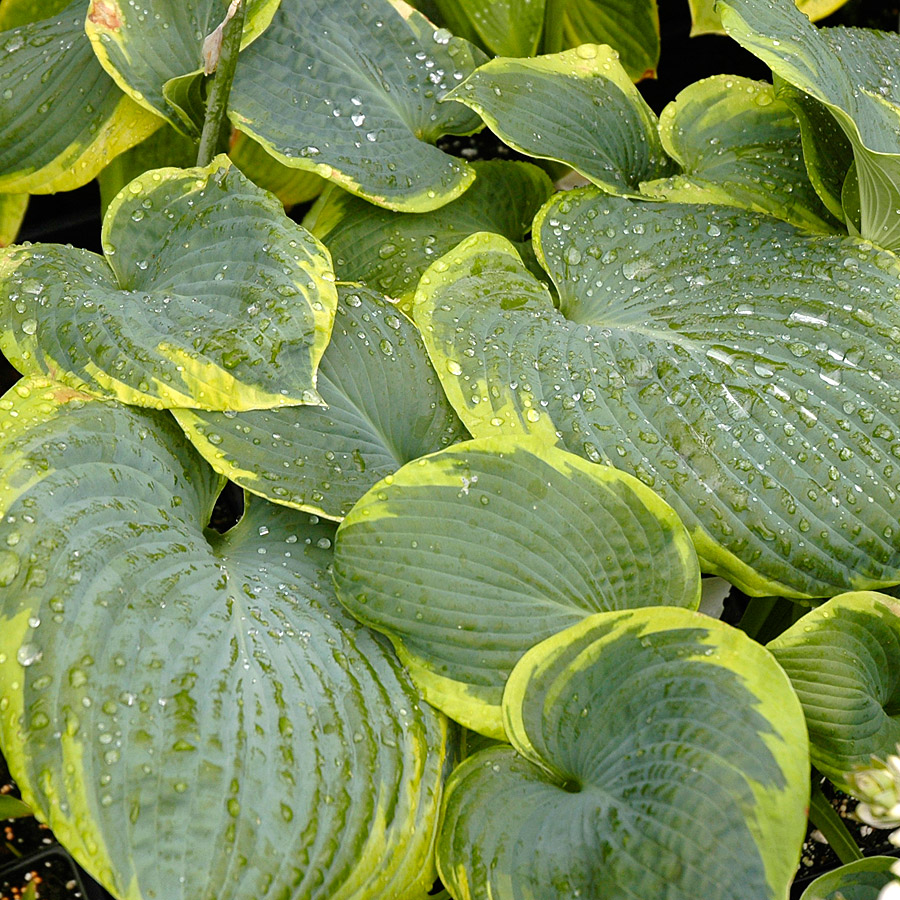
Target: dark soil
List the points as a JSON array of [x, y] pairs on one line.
[[29, 854], [817, 857]]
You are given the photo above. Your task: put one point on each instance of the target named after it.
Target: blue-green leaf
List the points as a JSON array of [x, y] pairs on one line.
[[468, 557], [63, 117], [578, 107], [207, 297], [656, 753], [162, 681], [851, 71], [384, 407], [843, 659], [352, 92], [744, 369]]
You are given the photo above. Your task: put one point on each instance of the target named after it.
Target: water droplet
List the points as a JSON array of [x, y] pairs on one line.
[[28, 654], [9, 567]]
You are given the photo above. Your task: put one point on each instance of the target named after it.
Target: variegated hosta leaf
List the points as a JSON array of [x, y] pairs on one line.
[[827, 152], [209, 297], [63, 117], [745, 370], [290, 186], [143, 48], [862, 879], [852, 71], [578, 107], [351, 91], [705, 19], [12, 214], [843, 659], [630, 26], [163, 681], [385, 407], [739, 146], [389, 251], [503, 27], [467, 558], [656, 753]]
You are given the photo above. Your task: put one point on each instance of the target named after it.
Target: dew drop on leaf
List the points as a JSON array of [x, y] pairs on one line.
[[28, 654]]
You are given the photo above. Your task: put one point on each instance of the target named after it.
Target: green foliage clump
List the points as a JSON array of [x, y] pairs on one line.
[[490, 436]]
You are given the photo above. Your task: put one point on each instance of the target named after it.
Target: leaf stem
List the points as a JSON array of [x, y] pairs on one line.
[[553, 26], [824, 817], [217, 103], [758, 610]]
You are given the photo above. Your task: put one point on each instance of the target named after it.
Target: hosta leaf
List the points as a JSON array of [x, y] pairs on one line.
[[656, 753], [12, 213], [163, 681], [503, 27], [843, 659], [208, 297], [143, 49], [827, 153], [630, 26], [578, 107], [705, 20], [384, 408], [362, 106], [389, 251], [862, 879], [467, 558], [63, 117], [851, 72], [743, 369], [739, 146], [290, 186]]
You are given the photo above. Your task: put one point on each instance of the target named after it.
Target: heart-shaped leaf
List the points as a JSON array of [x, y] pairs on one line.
[[578, 107], [468, 557], [862, 879], [739, 146], [209, 297], [656, 753], [630, 26], [162, 681], [389, 251], [843, 659], [384, 407], [143, 50], [745, 370], [363, 105], [851, 72], [63, 117]]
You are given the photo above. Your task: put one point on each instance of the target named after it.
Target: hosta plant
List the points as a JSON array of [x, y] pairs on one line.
[[487, 437]]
